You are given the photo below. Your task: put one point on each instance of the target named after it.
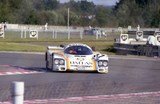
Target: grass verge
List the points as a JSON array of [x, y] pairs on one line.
[[9, 46], [33, 45]]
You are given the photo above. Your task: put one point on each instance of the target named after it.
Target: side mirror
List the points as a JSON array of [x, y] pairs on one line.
[[62, 45], [93, 48]]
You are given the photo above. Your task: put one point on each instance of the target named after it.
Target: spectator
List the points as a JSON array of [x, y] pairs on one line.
[[5, 25], [46, 26]]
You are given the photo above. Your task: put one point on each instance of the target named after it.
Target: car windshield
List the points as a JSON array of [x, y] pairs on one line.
[[78, 50]]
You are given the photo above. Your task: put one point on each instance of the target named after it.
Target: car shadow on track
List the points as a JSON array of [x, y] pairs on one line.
[[75, 72], [43, 69], [38, 69]]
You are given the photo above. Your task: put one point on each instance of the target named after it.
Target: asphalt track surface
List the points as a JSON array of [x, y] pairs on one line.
[[126, 75]]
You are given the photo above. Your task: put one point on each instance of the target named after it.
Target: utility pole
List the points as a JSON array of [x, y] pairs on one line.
[[68, 24], [68, 16]]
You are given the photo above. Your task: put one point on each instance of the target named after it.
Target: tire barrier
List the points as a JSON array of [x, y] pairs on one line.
[[144, 32], [157, 37], [124, 38], [131, 32], [2, 34], [141, 50]]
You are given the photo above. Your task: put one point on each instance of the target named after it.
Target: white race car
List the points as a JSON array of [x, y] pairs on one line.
[[75, 57]]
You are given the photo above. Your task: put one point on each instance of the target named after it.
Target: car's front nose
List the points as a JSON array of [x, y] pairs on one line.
[[102, 66], [81, 63], [59, 64]]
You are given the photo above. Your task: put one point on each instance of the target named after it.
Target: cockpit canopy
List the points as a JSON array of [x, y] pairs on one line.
[[78, 50]]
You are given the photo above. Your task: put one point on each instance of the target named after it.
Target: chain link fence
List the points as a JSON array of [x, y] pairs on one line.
[[57, 34], [65, 34]]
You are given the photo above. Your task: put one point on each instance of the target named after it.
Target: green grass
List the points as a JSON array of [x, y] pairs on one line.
[[10, 46], [40, 46]]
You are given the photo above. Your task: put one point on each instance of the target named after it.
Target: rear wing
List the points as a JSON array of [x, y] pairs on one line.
[[54, 48]]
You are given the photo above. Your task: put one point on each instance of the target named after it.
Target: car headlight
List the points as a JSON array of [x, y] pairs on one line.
[[102, 63], [105, 63], [56, 61], [59, 61]]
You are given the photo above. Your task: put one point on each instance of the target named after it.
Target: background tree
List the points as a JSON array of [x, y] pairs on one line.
[[101, 16], [134, 12], [82, 13]]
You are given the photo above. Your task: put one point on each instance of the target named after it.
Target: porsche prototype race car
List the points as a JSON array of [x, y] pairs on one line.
[[75, 57]]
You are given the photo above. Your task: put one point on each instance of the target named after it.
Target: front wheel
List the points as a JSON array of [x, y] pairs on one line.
[[47, 63]]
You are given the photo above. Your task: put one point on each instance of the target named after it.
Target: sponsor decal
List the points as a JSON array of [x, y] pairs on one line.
[[78, 63], [124, 37], [33, 34], [139, 34], [1, 34], [158, 38], [1, 31], [79, 56], [80, 59]]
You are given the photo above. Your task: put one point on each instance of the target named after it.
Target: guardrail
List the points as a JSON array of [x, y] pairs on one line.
[[145, 32], [141, 50]]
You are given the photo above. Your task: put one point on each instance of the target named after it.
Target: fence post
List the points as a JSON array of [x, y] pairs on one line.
[[17, 92], [56, 34], [97, 35], [53, 34], [3, 34], [25, 34], [37, 34], [21, 33], [81, 34], [69, 34]]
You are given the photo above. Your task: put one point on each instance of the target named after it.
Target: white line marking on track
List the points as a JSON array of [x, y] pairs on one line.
[[18, 73], [8, 73], [11, 70]]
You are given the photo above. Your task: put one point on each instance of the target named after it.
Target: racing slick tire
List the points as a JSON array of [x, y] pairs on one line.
[[47, 68]]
